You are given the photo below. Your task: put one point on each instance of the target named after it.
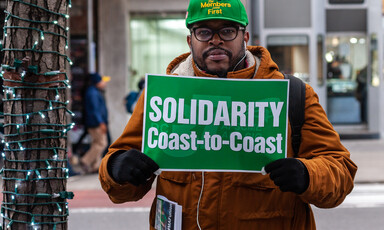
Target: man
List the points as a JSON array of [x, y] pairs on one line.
[[322, 174], [96, 121]]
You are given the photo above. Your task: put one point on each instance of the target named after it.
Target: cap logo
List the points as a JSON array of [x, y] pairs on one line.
[[230, 10], [215, 7]]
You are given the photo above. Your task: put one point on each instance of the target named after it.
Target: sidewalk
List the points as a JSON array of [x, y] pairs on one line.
[[367, 154], [89, 194], [91, 204]]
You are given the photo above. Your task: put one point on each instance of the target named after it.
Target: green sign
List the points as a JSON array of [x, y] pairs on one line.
[[195, 123]]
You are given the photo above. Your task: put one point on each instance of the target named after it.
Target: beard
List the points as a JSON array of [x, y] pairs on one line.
[[234, 62]]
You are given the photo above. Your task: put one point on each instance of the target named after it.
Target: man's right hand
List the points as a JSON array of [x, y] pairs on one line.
[[131, 166]]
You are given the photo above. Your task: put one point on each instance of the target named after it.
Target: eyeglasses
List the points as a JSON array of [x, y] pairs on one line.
[[204, 34]]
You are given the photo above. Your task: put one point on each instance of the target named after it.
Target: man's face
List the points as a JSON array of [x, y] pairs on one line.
[[217, 56]]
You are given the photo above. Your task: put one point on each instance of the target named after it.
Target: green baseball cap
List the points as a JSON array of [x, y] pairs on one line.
[[201, 10]]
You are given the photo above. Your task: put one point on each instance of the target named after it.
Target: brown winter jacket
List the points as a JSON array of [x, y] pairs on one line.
[[245, 200]]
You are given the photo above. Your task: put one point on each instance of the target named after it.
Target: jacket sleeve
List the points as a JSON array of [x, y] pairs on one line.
[[331, 171], [93, 108], [130, 138]]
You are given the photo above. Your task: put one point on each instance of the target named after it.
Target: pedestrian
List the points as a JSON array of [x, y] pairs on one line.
[[96, 122], [133, 96], [321, 174]]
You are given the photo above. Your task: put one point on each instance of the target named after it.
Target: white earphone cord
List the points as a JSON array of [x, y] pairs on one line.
[[198, 203], [245, 54], [239, 61]]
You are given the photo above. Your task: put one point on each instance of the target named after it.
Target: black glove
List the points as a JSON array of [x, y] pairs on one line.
[[289, 174], [131, 166]]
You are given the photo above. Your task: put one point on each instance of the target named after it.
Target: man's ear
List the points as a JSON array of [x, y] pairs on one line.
[[246, 36], [189, 40]]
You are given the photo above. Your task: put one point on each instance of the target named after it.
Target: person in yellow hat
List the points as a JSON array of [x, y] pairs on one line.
[[96, 122], [321, 173]]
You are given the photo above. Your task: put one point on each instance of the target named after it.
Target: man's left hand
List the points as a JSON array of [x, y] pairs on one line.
[[289, 174]]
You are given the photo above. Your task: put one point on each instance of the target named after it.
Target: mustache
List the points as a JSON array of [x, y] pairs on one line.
[[206, 53]]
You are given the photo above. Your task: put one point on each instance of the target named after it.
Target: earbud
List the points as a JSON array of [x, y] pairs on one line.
[[245, 45]]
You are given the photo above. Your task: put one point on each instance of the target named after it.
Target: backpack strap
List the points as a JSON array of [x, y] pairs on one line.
[[296, 110]]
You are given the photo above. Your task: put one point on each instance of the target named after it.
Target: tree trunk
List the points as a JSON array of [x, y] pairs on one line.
[[35, 115]]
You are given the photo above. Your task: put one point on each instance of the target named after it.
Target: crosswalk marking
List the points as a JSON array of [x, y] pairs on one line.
[[365, 196], [108, 210]]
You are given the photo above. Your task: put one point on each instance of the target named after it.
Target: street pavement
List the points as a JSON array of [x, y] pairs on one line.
[[92, 208]]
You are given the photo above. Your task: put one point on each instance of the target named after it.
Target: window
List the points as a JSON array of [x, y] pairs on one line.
[[347, 74], [291, 54], [155, 42], [346, 1]]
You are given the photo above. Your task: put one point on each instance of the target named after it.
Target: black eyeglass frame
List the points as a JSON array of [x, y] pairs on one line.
[[238, 28]]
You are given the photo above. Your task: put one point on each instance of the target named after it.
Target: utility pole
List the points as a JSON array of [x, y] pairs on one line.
[[35, 115]]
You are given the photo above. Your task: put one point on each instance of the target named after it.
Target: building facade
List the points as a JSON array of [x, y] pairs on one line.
[[335, 45]]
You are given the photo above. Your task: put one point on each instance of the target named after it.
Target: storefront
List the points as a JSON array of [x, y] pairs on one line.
[[335, 47]]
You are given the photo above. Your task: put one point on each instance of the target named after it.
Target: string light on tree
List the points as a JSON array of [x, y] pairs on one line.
[[21, 141]]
